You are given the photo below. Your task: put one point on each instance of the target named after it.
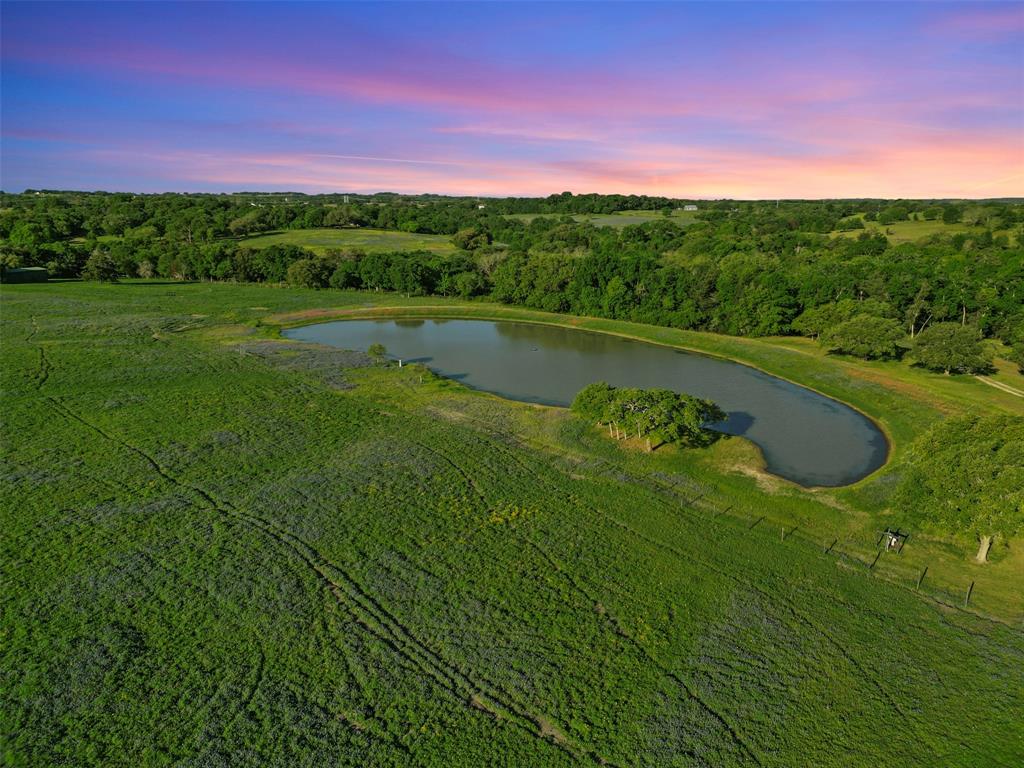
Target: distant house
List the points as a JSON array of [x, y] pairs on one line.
[[481, 206], [25, 275], [689, 207]]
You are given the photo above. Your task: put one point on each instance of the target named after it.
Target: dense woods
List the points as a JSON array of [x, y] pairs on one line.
[[741, 268]]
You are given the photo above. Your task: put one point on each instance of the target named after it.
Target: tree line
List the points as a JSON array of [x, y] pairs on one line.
[[742, 268]]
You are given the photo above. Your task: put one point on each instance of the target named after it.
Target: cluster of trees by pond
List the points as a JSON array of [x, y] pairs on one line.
[[660, 414], [741, 268]]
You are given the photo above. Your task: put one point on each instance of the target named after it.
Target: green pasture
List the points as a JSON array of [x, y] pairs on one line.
[[912, 231], [363, 239], [223, 548]]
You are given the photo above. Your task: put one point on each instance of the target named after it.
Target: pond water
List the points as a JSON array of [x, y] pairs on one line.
[[805, 437]]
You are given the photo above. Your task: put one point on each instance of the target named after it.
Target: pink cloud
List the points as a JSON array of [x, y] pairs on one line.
[[907, 169], [982, 23], [528, 132]]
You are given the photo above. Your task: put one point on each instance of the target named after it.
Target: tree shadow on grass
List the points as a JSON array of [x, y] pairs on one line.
[[979, 370]]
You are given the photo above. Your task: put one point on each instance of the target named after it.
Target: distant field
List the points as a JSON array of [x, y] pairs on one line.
[[369, 240], [618, 220], [912, 231]]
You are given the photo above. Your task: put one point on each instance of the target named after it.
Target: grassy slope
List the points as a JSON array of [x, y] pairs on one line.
[[364, 239], [215, 557]]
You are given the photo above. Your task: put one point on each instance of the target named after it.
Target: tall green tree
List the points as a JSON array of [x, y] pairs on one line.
[[951, 348], [872, 338], [593, 400], [100, 266], [966, 475], [310, 273]]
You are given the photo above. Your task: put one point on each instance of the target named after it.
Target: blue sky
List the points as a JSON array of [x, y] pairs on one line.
[[691, 100]]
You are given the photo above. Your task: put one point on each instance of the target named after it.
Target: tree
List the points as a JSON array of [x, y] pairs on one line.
[[468, 284], [893, 213], [310, 273], [951, 348], [866, 336], [850, 223], [100, 266], [345, 275], [681, 418], [593, 400], [672, 417], [818, 320], [471, 238], [1017, 356], [377, 350], [966, 475], [374, 271]]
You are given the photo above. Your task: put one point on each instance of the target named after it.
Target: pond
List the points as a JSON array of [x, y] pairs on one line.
[[804, 436]]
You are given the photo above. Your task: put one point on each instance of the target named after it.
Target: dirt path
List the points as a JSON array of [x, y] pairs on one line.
[[1001, 386]]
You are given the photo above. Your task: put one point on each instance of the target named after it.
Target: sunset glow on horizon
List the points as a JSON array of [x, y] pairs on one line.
[[704, 100]]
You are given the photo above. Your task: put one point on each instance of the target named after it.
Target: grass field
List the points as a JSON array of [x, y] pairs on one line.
[[617, 220], [222, 548], [912, 231], [364, 239]]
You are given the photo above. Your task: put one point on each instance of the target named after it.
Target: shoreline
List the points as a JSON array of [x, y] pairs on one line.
[[288, 321]]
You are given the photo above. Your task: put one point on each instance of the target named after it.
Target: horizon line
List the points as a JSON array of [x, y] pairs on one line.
[[41, 190]]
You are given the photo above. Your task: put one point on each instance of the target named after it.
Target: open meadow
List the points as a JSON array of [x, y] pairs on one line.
[[226, 548], [362, 239], [899, 232]]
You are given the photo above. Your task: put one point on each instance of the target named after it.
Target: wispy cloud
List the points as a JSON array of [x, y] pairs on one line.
[[993, 22], [691, 100]]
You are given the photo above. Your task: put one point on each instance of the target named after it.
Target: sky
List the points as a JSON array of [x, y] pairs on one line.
[[692, 100]]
